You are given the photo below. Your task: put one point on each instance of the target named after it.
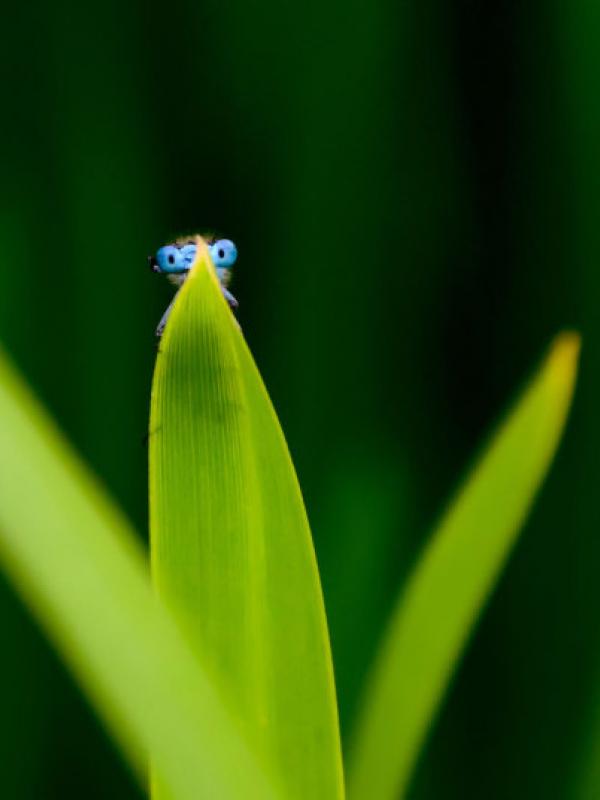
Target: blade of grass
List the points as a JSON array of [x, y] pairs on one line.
[[75, 562], [231, 548], [453, 579]]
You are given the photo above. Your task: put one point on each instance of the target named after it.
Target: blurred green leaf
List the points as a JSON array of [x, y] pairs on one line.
[[231, 547], [75, 562], [452, 581]]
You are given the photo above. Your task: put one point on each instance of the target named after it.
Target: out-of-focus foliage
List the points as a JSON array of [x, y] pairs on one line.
[[74, 560], [454, 577], [412, 188]]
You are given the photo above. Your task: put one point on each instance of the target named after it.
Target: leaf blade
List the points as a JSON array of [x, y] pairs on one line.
[[75, 562], [231, 547], [452, 581]]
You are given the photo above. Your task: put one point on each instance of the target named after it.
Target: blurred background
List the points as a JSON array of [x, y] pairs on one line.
[[413, 188]]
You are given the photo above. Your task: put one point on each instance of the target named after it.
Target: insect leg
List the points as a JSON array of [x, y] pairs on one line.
[[163, 320], [233, 303]]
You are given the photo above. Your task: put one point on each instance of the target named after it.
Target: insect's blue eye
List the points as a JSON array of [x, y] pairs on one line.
[[223, 253], [170, 259]]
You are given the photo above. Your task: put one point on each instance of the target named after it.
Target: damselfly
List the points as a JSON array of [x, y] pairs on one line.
[[175, 261]]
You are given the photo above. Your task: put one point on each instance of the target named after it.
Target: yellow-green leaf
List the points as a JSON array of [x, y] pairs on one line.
[[75, 562], [231, 547], [453, 579]]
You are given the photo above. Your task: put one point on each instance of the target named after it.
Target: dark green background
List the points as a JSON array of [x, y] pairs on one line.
[[414, 190]]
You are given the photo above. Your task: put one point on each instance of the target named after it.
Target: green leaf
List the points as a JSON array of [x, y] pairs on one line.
[[231, 548], [445, 594], [75, 562]]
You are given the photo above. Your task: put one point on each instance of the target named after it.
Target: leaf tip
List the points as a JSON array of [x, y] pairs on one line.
[[203, 261], [564, 357]]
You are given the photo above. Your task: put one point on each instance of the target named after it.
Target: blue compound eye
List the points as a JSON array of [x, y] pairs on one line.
[[170, 259], [223, 253]]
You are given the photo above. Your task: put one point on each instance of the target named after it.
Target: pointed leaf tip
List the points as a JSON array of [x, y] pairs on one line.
[[232, 553], [564, 356]]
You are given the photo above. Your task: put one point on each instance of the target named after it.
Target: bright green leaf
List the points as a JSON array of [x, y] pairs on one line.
[[75, 562], [231, 547], [452, 581]]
